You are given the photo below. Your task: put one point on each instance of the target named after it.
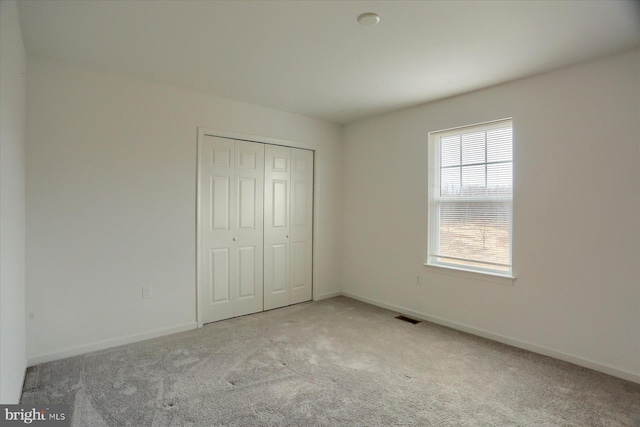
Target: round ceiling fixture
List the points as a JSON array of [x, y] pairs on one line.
[[368, 19]]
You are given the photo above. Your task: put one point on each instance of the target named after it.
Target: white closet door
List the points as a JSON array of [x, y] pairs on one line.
[[249, 182], [231, 198], [301, 225], [288, 226], [276, 226]]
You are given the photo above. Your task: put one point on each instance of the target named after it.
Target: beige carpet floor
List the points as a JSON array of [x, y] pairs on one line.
[[336, 362]]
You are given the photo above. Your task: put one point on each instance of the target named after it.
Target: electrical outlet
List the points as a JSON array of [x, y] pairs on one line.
[[146, 292], [418, 281]]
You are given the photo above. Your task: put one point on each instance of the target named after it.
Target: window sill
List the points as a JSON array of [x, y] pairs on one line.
[[470, 274]]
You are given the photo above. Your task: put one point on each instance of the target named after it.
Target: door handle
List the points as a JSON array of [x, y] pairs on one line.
[[234, 239]]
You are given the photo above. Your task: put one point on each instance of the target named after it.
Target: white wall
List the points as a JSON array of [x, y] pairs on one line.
[[12, 204], [111, 199], [576, 248]]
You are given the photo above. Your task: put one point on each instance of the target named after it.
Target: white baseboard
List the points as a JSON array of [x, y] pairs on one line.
[[596, 366], [101, 345], [326, 296]]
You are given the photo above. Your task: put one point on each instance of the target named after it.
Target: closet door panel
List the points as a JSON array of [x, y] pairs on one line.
[[276, 226], [247, 203], [220, 198], [217, 210], [220, 280], [249, 183], [301, 229], [279, 204], [247, 272], [280, 268], [298, 264]]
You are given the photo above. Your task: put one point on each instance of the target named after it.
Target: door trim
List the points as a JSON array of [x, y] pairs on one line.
[[202, 132]]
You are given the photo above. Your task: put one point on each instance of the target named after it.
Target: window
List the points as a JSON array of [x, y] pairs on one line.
[[470, 198]]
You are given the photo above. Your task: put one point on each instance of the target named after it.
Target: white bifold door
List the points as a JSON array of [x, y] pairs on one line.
[[255, 229], [231, 228], [288, 226]]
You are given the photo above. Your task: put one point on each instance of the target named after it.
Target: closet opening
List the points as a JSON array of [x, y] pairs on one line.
[[254, 226]]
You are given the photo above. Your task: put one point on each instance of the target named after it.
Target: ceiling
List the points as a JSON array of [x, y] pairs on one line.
[[313, 58]]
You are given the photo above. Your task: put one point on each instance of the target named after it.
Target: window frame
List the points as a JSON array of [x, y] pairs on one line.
[[433, 201]]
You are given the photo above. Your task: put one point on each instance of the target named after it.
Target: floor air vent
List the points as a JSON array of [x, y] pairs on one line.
[[407, 319]]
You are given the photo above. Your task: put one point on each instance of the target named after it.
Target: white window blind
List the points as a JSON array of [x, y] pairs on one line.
[[470, 197]]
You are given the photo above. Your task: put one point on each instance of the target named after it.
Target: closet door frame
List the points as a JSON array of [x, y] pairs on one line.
[[204, 132]]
